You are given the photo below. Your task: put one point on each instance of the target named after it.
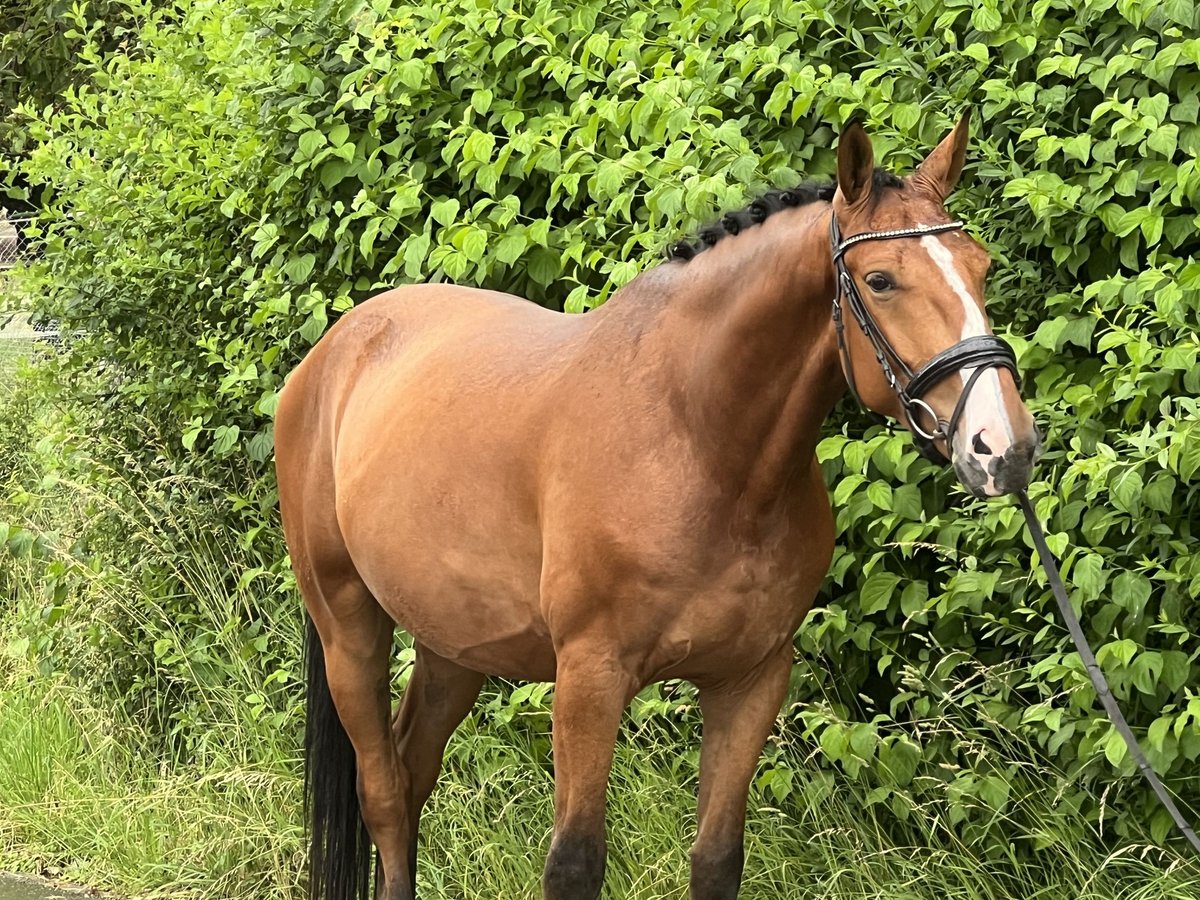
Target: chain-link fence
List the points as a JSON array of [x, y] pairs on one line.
[[20, 335], [16, 243]]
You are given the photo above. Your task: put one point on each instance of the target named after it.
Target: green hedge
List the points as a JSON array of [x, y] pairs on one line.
[[261, 167]]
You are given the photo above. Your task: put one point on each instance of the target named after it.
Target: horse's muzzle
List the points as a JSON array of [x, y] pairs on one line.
[[987, 475]]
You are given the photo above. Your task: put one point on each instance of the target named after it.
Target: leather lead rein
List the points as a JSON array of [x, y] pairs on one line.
[[1096, 674]]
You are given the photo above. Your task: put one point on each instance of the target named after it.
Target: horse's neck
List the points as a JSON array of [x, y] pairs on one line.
[[755, 345]]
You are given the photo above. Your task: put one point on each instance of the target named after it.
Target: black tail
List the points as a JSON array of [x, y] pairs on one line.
[[339, 850]]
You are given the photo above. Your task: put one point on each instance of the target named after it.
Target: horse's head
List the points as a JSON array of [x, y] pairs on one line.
[[917, 343]]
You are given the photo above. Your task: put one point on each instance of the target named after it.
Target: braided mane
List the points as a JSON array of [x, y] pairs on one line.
[[758, 210]]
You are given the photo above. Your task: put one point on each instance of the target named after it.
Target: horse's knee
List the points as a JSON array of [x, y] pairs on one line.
[[717, 871], [574, 868]]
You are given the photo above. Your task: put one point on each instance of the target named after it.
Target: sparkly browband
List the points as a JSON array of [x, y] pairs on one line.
[[844, 245]]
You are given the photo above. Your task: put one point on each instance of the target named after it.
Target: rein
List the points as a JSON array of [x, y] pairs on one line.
[[1097, 675], [979, 353]]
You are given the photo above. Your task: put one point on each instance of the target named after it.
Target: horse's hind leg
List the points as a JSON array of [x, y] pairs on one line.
[[439, 695], [738, 717], [356, 635]]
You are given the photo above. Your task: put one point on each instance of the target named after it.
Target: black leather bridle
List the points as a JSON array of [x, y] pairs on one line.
[[980, 353]]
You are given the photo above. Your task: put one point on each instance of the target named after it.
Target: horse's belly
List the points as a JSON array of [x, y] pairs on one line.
[[465, 608], [453, 559]]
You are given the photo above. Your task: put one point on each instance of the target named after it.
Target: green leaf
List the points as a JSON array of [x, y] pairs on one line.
[[475, 244], [1159, 494], [1126, 491], [847, 486], [481, 100], [863, 740], [191, 433], [1088, 575], [880, 494], [1147, 667], [900, 757], [310, 143], [445, 211], [1176, 669], [977, 52], [1131, 590], [416, 249], [1122, 651], [411, 73], [834, 742], [877, 592], [576, 301], [1156, 734], [510, 247], [1182, 12], [994, 791], [1115, 749], [298, 268], [338, 134], [479, 146], [261, 446], [1185, 448], [544, 266], [986, 18], [1078, 147], [610, 176], [913, 599], [224, 437], [333, 171], [1164, 139], [906, 502]]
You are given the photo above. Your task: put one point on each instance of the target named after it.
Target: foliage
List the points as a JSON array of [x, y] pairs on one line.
[[257, 168], [40, 45]]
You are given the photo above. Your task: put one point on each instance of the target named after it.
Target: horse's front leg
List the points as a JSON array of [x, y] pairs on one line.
[[738, 717], [591, 692]]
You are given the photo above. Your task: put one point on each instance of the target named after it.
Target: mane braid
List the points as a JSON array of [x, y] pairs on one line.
[[757, 211]]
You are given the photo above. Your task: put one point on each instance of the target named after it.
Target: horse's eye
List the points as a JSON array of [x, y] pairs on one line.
[[879, 282]]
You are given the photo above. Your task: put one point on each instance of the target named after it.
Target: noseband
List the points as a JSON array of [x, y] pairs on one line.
[[979, 353]]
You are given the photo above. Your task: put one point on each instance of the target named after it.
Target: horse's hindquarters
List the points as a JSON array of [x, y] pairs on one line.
[[436, 474]]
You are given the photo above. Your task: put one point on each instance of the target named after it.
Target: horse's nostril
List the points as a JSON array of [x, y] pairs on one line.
[[980, 446]]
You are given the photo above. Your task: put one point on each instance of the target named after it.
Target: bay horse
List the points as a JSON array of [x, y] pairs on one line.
[[610, 500]]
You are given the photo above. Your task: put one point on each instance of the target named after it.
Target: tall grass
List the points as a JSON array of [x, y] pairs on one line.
[[74, 796], [89, 782], [107, 814]]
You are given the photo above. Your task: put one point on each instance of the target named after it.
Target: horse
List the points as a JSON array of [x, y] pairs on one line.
[[614, 499]]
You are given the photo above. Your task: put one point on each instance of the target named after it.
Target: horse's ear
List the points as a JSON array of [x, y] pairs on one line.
[[941, 169], [856, 163]]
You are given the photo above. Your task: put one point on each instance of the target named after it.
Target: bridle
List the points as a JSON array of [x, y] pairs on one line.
[[979, 353]]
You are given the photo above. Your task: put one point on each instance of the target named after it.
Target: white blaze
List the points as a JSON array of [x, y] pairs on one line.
[[985, 406]]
